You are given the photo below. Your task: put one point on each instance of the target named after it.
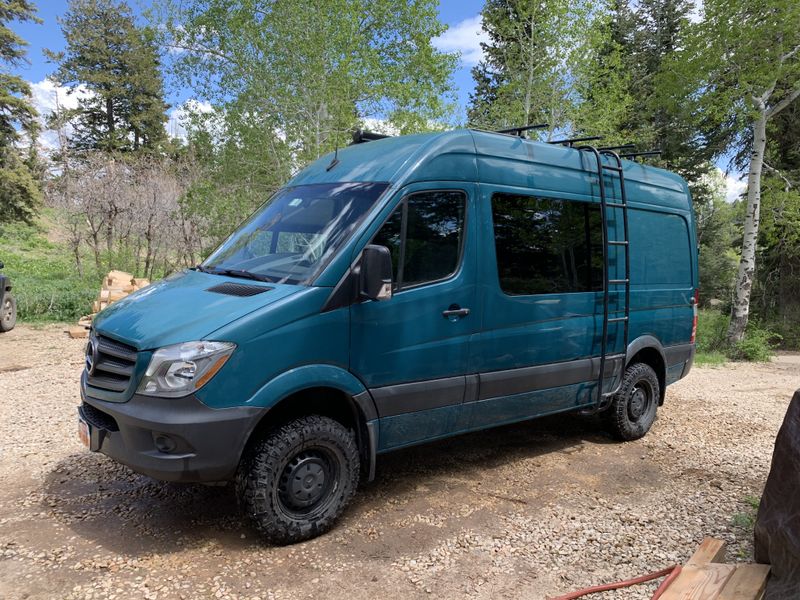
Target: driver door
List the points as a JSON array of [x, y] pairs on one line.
[[412, 350]]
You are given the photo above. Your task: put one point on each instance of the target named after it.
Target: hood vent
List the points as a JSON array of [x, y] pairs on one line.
[[238, 289]]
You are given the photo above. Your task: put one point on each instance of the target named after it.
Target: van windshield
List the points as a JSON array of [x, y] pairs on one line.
[[295, 233]]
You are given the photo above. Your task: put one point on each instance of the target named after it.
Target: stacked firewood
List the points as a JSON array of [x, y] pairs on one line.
[[116, 285]]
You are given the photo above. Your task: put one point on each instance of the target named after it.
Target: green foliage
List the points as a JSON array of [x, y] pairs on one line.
[[747, 518], [289, 80], [44, 280], [757, 345], [712, 328], [109, 56], [19, 189], [528, 74]]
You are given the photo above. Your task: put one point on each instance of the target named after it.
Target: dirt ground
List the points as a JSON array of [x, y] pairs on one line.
[[526, 511]]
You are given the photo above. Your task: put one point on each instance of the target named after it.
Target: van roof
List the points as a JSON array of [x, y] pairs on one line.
[[492, 158]]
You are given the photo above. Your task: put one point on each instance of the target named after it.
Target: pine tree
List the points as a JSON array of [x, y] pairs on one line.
[[118, 63], [19, 189]]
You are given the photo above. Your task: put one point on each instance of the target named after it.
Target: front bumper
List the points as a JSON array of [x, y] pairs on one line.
[[172, 439]]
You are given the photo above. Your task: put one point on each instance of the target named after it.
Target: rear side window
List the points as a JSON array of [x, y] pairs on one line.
[[547, 246], [425, 234], [660, 251]]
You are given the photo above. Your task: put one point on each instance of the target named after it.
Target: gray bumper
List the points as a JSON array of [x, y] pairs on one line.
[[179, 439]]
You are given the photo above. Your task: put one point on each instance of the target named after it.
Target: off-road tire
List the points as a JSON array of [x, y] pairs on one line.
[[271, 478], [8, 313], [633, 410]]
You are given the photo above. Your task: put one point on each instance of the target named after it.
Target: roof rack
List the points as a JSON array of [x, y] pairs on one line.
[[620, 147], [360, 136], [570, 141], [518, 130], [635, 155]]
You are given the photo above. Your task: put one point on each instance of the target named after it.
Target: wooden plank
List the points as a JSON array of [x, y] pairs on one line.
[[703, 582], [78, 332], [710, 551], [748, 582]]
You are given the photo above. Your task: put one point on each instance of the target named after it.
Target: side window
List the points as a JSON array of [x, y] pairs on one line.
[[547, 246], [424, 235]]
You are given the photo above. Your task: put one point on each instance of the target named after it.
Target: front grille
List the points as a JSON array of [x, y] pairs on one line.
[[97, 418], [109, 364], [238, 289]]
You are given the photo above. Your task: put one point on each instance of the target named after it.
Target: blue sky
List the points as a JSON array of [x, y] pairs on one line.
[[463, 36]]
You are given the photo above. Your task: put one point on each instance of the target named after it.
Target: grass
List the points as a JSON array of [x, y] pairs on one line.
[[747, 519], [45, 280], [712, 358]]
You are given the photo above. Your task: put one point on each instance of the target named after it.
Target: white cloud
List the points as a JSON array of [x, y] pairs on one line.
[[464, 37], [734, 187], [48, 97], [696, 14], [178, 117]]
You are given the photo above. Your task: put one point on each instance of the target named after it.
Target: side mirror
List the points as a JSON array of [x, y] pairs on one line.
[[375, 277], [1, 264]]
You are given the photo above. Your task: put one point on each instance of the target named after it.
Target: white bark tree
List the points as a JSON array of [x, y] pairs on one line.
[[742, 68]]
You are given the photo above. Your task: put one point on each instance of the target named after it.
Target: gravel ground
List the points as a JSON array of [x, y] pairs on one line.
[[526, 511]]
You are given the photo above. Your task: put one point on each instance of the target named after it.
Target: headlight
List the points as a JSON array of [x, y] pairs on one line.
[[181, 369]]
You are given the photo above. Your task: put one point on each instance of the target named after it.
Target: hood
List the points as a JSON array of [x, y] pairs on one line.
[[181, 308]]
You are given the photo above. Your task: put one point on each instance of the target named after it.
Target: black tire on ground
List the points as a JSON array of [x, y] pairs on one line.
[[8, 313], [295, 482], [633, 410]]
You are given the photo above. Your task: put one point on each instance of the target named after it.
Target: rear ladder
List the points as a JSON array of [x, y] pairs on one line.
[[621, 204]]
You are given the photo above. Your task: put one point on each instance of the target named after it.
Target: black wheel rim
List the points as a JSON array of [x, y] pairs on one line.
[[640, 401], [307, 482]]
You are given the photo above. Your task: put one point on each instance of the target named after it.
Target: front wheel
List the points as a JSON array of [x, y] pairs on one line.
[[294, 483], [633, 409], [8, 313]]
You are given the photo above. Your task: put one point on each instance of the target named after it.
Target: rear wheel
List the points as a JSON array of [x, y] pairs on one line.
[[8, 313], [633, 409], [295, 482]]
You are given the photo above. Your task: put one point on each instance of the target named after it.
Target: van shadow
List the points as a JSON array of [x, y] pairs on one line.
[[133, 515]]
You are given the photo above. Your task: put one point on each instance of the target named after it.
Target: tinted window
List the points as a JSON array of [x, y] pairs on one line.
[[424, 235], [660, 251], [547, 246]]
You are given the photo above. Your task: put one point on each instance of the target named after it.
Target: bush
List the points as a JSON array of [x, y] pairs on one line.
[[712, 329], [758, 345]]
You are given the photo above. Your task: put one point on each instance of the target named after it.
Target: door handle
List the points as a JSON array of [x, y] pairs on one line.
[[454, 312]]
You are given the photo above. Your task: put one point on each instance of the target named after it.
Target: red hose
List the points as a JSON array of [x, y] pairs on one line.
[[671, 572], [665, 584]]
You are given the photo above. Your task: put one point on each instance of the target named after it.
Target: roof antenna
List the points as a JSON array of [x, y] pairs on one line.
[[335, 160]]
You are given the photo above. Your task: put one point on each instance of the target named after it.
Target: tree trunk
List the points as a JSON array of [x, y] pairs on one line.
[[740, 311]]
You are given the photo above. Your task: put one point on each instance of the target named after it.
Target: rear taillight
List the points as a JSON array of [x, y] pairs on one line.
[[695, 302]]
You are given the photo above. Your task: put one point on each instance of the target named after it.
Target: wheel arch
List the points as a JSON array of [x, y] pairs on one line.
[[325, 390], [648, 350]]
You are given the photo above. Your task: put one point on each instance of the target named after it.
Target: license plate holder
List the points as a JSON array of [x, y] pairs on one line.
[[85, 433]]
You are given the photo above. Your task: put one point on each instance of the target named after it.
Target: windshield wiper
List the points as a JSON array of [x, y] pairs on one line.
[[240, 273]]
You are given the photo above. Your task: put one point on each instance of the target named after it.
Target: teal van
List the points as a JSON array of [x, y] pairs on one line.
[[399, 291]]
